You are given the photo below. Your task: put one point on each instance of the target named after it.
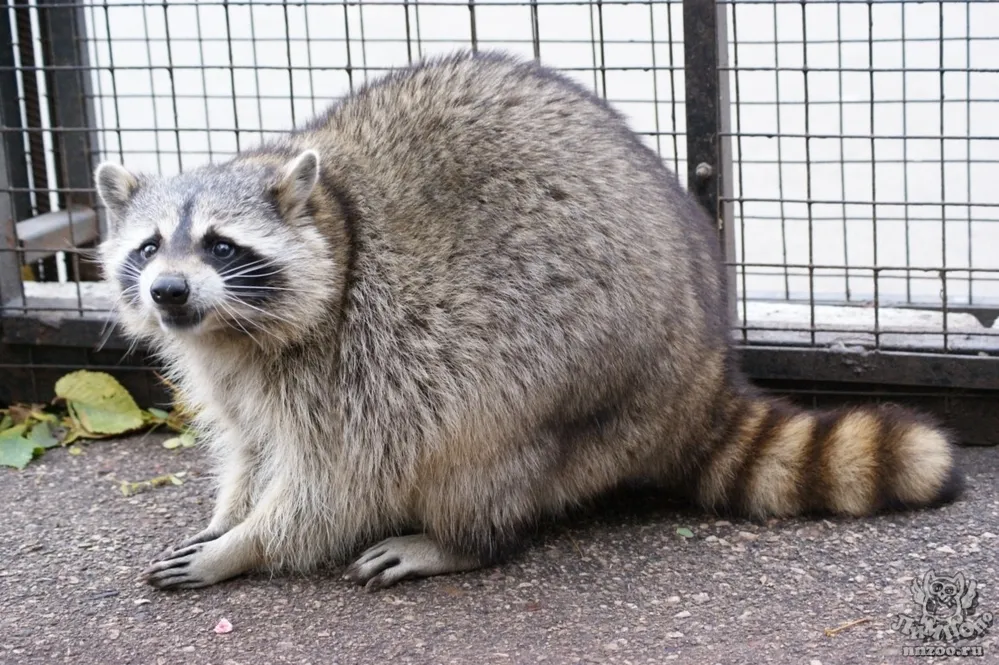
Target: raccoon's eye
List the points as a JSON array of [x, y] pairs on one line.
[[223, 250], [148, 250]]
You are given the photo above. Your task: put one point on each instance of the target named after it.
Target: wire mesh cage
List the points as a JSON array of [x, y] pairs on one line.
[[847, 149], [168, 86], [863, 155]]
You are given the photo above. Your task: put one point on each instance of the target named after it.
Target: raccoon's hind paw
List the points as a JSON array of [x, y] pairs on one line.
[[396, 559]]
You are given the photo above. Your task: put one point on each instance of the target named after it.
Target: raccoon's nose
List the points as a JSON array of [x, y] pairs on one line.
[[170, 290]]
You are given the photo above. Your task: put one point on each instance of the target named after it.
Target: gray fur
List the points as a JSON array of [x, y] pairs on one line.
[[496, 304]]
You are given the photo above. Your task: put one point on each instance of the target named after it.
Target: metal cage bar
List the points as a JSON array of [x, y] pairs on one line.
[[709, 143], [13, 172]]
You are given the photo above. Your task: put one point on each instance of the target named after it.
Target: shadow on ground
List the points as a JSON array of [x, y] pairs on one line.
[[620, 586]]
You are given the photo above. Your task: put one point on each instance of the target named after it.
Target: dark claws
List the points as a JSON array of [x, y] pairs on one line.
[[354, 572]]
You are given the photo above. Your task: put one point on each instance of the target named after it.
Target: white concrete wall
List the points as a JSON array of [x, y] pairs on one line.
[[167, 124]]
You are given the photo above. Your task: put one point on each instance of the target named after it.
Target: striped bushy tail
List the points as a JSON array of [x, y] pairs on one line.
[[779, 460]]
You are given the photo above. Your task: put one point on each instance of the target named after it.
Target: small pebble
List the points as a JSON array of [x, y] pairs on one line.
[[681, 615]]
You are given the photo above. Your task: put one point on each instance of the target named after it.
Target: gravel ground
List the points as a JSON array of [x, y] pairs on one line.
[[616, 586]]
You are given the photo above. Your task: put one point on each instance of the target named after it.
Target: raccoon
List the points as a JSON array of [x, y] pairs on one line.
[[465, 298]]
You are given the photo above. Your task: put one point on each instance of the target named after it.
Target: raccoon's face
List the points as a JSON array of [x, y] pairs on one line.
[[228, 248]]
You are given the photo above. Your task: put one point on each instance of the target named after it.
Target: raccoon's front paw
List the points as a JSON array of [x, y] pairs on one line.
[[174, 569], [396, 559], [201, 564], [202, 536]]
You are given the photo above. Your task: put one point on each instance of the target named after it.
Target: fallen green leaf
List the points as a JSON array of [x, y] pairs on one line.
[[91, 405], [684, 532], [98, 403], [16, 452], [15, 449], [158, 414], [42, 416], [185, 440], [14, 432], [74, 431], [129, 488], [42, 436], [172, 443]]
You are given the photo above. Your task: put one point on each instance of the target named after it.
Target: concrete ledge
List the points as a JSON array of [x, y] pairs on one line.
[[42, 236]]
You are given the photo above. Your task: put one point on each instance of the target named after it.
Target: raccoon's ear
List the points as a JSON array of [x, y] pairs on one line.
[[116, 186], [298, 179]]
